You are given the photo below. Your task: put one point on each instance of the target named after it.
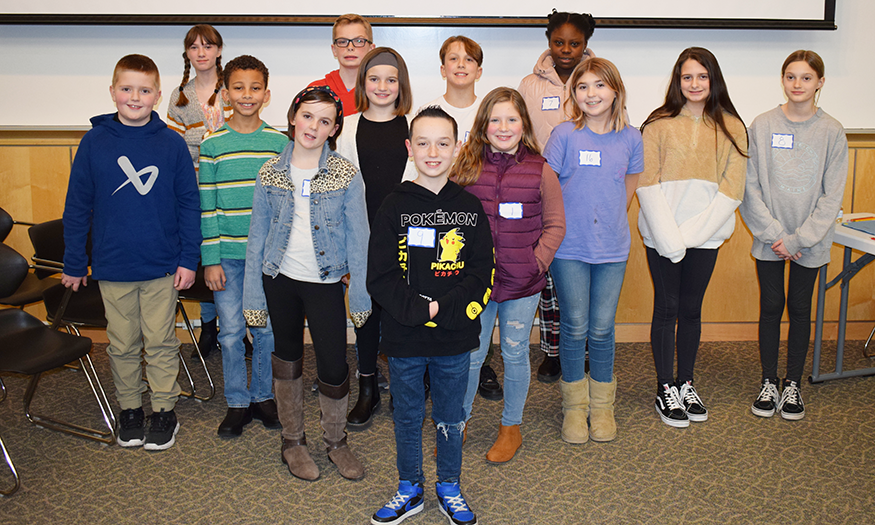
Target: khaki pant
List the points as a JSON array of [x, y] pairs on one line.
[[141, 319]]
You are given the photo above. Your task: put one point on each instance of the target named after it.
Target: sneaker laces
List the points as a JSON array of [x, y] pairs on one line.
[[672, 400], [129, 419], [790, 396], [769, 392], [160, 422], [398, 500], [456, 503], [689, 395]]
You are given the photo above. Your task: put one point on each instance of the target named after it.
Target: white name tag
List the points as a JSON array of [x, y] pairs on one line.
[[420, 237], [305, 188], [549, 103], [782, 141], [590, 158], [511, 210]]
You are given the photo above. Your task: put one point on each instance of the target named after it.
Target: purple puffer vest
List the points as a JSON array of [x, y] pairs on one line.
[[512, 179]]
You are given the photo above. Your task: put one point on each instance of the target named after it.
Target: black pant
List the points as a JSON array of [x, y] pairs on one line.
[[799, 291], [367, 339], [288, 301], [679, 289]]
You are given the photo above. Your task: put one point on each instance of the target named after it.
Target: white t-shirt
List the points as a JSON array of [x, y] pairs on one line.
[[299, 262], [464, 116]]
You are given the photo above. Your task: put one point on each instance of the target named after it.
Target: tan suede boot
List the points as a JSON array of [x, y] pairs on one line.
[[289, 392], [334, 401], [602, 426], [508, 442], [575, 408]]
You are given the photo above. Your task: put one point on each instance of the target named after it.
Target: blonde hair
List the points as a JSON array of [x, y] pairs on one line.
[[608, 73], [468, 166], [352, 18]]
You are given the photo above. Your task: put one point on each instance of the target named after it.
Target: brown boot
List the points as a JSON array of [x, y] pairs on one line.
[[602, 426], [289, 392], [334, 401], [505, 447], [575, 408]]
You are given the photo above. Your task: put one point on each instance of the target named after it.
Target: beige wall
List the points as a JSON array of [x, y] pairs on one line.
[[34, 167]]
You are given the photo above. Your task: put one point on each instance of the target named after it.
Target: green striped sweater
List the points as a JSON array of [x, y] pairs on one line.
[[229, 164]]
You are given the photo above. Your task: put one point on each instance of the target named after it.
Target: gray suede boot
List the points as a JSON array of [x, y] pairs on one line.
[[289, 392], [334, 401]]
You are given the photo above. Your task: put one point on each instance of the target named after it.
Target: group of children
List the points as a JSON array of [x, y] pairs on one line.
[[437, 224]]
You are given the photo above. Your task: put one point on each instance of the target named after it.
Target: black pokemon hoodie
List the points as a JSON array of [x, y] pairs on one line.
[[430, 247]]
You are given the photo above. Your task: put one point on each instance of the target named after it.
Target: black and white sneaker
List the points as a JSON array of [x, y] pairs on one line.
[[765, 404], [791, 406], [669, 407], [693, 405], [163, 427], [131, 428]]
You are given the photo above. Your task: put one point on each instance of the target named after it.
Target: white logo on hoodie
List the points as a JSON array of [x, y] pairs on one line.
[[134, 176]]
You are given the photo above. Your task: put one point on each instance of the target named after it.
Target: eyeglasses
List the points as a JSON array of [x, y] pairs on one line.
[[356, 42]]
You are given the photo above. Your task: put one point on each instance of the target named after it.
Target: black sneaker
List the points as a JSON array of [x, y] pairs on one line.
[[162, 430], [693, 405], [489, 387], [131, 428], [765, 404], [791, 405], [669, 407]]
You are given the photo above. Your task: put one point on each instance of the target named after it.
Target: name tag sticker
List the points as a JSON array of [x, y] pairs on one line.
[[511, 210], [590, 158], [421, 237], [305, 188], [549, 103], [782, 140]]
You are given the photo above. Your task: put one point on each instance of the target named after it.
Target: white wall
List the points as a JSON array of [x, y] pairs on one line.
[[59, 75]]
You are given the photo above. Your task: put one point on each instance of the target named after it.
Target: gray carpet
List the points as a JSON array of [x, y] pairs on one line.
[[735, 468]]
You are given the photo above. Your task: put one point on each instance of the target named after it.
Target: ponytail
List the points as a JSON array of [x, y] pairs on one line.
[[183, 100], [220, 78]]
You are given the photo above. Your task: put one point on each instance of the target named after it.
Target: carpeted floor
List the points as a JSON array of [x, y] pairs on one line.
[[734, 469]]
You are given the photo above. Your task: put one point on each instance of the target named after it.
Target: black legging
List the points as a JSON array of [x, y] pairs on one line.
[[679, 289], [799, 290], [367, 340], [288, 301]]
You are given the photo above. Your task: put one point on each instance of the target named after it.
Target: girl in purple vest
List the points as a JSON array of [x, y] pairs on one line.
[[598, 157], [501, 164]]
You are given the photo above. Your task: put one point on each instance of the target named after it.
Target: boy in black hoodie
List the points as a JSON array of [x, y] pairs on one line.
[[430, 265]]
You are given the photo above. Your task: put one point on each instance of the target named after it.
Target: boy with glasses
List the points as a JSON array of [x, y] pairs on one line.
[[351, 39]]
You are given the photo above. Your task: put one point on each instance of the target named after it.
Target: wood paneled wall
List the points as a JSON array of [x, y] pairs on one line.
[[35, 165]]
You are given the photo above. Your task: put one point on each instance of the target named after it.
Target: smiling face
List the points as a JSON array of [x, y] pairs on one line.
[[459, 68], [504, 130], [350, 57], [314, 123], [202, 55], [135, 94], [246, 92], [801, 82], [594, 97], [432, 147], [381, 86], [695, 84], [567, 45]]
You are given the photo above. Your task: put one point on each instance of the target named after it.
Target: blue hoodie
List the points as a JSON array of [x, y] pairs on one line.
[[138, 187]]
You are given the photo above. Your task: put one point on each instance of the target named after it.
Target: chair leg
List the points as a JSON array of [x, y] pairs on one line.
[[17, 484], [866, 346], [194, 391], [2, 390], [87, 368]]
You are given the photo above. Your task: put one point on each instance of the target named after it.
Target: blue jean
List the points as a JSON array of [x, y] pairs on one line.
[[448, 375], [229, 304], [515, 319], [588, 297], [208, 311]]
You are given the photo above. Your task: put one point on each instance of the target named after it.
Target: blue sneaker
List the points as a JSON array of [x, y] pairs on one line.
[[453, 504], [406, 502]]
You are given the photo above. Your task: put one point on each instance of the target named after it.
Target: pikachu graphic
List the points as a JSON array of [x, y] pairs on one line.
[[451, 244]]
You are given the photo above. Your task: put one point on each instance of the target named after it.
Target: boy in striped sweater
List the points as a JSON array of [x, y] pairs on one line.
[[230, 159]]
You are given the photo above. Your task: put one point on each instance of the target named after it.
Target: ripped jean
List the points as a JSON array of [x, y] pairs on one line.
[[515, 319], [449, 377]]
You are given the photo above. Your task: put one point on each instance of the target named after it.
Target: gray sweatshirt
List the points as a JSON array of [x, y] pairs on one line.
[[795, 183]]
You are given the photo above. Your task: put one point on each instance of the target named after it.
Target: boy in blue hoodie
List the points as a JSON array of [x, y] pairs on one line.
[[133, 186]]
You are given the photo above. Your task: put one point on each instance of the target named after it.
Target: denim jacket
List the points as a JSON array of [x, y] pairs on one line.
[[339, 222]]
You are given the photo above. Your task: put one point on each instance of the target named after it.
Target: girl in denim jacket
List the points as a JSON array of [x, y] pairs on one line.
[[309, 229]]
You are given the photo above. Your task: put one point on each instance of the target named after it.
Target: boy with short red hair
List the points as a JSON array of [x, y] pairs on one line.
[[351, 39]]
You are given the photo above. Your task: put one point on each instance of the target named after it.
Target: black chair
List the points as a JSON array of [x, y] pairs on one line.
[[29, 347], [31, 289], [86, 305]]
